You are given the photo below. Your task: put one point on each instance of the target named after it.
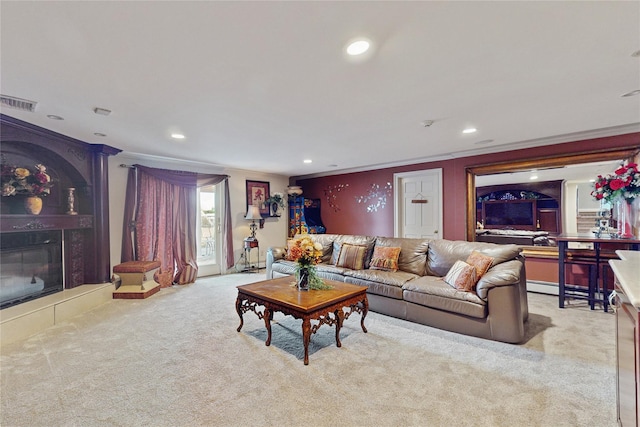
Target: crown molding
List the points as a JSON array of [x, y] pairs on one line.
[[498, 148]]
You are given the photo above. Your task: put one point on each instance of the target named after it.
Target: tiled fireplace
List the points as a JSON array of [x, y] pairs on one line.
[[56, 250]]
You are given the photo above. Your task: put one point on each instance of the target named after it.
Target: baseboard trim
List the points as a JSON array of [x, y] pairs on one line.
[[542, 287]]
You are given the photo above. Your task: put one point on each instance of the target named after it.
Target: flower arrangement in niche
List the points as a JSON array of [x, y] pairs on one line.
[[623, 183], [306, 254], [23, 181]]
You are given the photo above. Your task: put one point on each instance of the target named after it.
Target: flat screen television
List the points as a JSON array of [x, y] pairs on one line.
[[509, 214]]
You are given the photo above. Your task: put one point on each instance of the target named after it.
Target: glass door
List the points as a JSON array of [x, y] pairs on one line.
[[209, 247]]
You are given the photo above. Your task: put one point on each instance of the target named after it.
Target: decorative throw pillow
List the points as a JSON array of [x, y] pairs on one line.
[[385, 258], [290, 244], [351, 256], [336, 252], [481, 262], [461, 276]]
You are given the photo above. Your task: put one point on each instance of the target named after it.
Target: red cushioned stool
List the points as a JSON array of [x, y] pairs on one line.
[[134, 279]]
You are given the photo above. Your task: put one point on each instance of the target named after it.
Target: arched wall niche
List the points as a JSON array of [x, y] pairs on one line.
[[63, 172], [534, 163]]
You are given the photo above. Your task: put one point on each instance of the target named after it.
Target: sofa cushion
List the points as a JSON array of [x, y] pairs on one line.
[[351, 256], [385, 258], [461, 276], [433, 292], [377, 288], [413, 253], [395, 278], [444, 253]]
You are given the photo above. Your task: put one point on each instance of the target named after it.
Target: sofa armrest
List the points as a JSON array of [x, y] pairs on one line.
[[503, 274], [274, 253]]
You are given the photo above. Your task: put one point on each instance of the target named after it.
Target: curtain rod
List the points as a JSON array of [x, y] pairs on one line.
[[122, 165]]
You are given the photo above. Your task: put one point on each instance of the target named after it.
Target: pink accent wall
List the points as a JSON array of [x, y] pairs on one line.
[[350, 217]]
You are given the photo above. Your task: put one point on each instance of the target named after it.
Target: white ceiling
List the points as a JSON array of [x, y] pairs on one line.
[[263, 85]]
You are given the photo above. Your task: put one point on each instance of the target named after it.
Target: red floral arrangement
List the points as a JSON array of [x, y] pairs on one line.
[[624, 183], [22, 181]]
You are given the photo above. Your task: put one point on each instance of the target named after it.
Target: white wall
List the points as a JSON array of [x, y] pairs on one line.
[[274, 232]]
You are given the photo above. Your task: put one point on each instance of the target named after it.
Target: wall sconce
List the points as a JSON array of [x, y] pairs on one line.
[[253, 213]]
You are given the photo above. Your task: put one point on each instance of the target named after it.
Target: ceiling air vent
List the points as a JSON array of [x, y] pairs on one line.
[[18, 103]]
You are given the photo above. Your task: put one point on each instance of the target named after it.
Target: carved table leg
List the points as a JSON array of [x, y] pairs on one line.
[[268, 315], [365, 310], [339, 319], [306, 338], [239, 310]]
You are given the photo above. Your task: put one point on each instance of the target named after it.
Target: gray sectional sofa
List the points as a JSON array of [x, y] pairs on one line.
[[496, 309]]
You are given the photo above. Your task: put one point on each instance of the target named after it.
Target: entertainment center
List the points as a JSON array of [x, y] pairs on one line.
[[525, 206]]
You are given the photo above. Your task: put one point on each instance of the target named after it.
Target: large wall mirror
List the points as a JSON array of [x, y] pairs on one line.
[[561, 172]]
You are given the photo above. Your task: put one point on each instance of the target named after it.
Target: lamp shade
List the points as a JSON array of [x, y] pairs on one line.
[[253, 212], [294, 190]]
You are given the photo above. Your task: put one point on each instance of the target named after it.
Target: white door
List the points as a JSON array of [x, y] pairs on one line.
[[418, 207]]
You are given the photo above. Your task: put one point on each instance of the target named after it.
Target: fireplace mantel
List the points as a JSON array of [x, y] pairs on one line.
[[17, 223], [73, 164]]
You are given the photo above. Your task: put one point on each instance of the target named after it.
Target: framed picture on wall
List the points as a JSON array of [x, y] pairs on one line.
[[257, 193]]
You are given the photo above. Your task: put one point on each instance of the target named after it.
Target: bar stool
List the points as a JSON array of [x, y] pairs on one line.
[[580, 292]]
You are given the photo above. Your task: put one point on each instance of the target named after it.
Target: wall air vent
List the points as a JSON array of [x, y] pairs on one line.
[[18, 103]]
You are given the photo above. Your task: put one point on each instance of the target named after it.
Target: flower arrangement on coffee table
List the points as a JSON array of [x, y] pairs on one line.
[[306, 254]]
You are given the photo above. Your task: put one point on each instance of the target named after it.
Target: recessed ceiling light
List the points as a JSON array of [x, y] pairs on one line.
[[99, 134], [632, 93], [358, 47], [533, 177], [177, 136], [307, 160], [54, 117], [470, 130], [427, 123]]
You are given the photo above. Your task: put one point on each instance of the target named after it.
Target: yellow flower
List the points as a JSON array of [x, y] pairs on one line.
[[21, 173]]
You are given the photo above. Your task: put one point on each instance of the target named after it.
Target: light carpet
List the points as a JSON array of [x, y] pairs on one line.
[[175, 359]]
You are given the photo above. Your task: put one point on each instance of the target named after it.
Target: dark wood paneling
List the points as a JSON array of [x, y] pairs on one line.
[[72, 163]]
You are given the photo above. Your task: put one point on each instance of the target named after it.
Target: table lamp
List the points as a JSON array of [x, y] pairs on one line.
[[253, 213]]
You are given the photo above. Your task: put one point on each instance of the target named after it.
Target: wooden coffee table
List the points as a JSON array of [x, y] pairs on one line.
[[325, 306]]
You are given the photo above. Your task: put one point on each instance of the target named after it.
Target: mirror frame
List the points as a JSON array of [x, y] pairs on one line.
[[534, 163]]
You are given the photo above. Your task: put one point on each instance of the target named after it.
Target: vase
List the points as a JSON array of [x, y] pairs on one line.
[[303, 279], [624, 218], [33, 205]]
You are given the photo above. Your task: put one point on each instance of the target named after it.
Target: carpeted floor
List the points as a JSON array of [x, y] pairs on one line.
[[175, 359]]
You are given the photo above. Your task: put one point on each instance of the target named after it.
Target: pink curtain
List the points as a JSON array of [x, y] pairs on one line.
[[160, 221], [165, 223]]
